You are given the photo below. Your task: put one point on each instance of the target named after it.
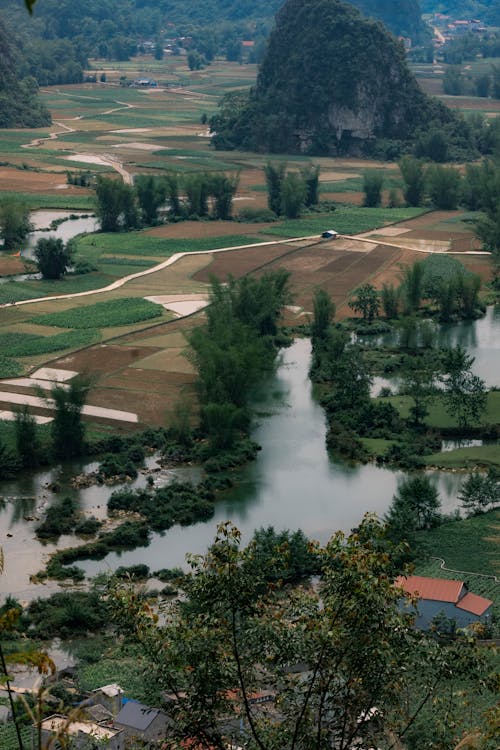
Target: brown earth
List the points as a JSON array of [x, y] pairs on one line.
[[197, 229], [11, 264], [26, 181]]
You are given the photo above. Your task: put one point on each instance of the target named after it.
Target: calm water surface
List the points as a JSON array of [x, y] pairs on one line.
[[292, 484]]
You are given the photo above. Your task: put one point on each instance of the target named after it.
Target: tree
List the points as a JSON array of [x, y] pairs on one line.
[[418, 377], [197, 188], [443, 186], [310, 176], [27, 441], [389, 298], [223, 189], [415, 507], [275, 174], [14, 222], [464, 394], [151, 194], [293, 195], [366, 301], [412, 278], [52, 257], [67, 428], [341, 660], [324, 312], [478, 492], [373, 181], [115, 205], [412, 172]]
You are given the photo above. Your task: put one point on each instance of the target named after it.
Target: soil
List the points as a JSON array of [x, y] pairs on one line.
[[11, 264], [27, 181], [199, 229]]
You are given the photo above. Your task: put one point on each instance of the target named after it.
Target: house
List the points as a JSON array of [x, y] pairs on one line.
[[83, 734], [109, 696], [445, 598], [330, 234], [140, 722]]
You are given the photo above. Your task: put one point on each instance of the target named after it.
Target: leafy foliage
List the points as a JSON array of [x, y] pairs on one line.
[[116, 312], [328, 654], [310, 95]]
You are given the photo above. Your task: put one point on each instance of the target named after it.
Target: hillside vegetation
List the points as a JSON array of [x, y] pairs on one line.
[[331, 82]]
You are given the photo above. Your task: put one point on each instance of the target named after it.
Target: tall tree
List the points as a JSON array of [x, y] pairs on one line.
[[15, 223], [53, 257], [464, 394], [373, 181], [116, 206], [341, 663], [67, 428], [366, 301], [413, 174], [151, 194], [324, 312], [275, 174]]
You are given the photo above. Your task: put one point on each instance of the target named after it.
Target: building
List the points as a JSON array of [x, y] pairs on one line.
[[438, 597], [109, 696], [140, 722], [81, 734]]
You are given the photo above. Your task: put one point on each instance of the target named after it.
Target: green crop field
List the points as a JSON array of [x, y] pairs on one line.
[[345, 220], [116, 312], [30, 344]]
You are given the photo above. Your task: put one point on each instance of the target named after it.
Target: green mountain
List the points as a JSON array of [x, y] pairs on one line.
[[486, 10], [20, 106], [331, 82]]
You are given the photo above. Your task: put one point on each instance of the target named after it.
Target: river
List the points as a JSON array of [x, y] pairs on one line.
[[292, 484]]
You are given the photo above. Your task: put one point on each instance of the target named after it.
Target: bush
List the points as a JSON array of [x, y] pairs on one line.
[[253, 215]]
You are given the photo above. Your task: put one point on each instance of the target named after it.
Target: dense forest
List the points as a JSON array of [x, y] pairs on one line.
[[487, 10], [115, 29], [19, 103], [331, 82]]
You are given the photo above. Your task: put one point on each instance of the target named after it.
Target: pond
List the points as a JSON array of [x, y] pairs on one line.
[[65, 231], [292, 484]]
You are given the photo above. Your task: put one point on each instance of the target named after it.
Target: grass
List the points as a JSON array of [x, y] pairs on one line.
[[439, 417], [29, 344], [346, 220], [467, 545], [139, 243], [485, 455], [8, 736], [116, 312], [59, 200]]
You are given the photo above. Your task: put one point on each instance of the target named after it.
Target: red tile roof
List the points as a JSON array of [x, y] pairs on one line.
[[436, 589], [475, 604]]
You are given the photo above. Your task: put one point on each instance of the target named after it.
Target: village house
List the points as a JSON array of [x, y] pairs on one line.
[[82, 734], [140, 722], [438, 598]]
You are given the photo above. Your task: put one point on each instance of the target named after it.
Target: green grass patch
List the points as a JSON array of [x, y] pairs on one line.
[[467, 545], [9, 368], [15, 291], [8, 736], [377, 446], [116, 312], [481, 455], [138, 243], [346, 220], [127, 671], [439, 417], [57, 200], [30, 344]]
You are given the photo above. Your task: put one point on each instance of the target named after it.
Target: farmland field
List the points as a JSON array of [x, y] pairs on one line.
[[155, 131]]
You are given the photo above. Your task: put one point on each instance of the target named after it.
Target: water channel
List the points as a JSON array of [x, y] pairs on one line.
[[292, 484]]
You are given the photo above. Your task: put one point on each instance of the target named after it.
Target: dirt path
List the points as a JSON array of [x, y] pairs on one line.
[[105, 159]]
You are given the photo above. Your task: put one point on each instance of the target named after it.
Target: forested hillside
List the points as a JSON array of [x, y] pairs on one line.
[[19, 103], [331, 82], [113, 29], [487, 10]]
